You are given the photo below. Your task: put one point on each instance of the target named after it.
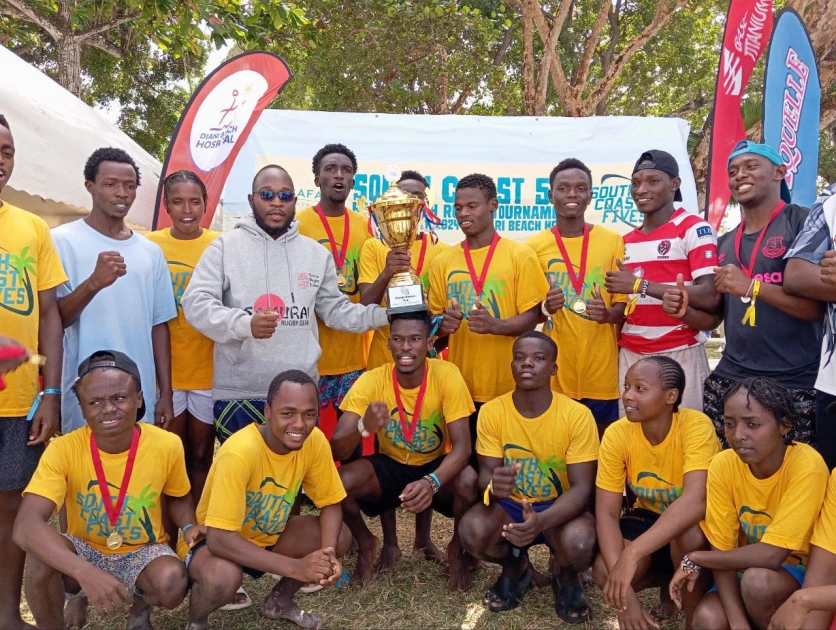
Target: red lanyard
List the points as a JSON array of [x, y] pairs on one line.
[[420, 264], [409, 430], [479, 282], [113, 511], [576, 280], [339, 258], [739, 236]]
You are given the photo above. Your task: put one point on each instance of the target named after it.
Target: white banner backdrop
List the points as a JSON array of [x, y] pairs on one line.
[[518, 152]]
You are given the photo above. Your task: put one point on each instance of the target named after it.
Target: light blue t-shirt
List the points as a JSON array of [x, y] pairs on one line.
[[119, 317]]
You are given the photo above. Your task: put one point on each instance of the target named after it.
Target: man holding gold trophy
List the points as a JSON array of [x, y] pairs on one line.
[[384, 266]]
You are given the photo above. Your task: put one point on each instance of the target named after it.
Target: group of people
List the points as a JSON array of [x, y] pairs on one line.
[[575, 407]]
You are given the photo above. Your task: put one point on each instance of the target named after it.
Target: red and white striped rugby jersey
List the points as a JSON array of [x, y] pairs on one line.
[[685, 244]]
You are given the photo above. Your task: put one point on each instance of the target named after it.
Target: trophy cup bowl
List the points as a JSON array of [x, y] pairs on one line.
[[398, 214]]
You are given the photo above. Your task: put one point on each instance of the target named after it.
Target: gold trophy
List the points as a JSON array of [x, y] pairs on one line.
[[398, 214]]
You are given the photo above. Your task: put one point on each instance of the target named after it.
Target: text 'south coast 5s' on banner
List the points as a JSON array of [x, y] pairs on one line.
[[216, 122], [518, 153]]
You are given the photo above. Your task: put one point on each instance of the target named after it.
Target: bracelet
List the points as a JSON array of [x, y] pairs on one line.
[[747, 297], [362, 429], [486, 499], [645, 285], [186, 527], [51, 390], [688, 566], [636, 285], [433, 484], [435, 478], [544, 310]]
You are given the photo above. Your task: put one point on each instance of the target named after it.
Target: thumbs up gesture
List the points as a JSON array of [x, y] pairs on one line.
[[452, 318], [555, 300], [675, 299], [620, 281], [523, 534], [480, 320], [596, 308]]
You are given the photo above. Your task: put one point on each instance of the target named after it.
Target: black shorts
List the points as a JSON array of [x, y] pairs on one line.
[[393, 477], [636, 522], [253, 573]]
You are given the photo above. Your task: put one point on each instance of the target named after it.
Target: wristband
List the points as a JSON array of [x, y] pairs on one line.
[[362, 429], [486, 499], [544, 310], [435, 478], [51, 390], [37, 402], [433, 484], [688, 566], [749, 315], [645, 284], [186, 527]]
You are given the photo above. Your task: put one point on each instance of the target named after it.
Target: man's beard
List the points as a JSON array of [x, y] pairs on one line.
[[275, 232]]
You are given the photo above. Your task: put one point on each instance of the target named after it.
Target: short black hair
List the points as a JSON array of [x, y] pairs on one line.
[[482, 182], [568, 164], [328, 149], [415, 316], [108, 154], [289, 376], [536, 334], [772, 396], [671, 373], [4, 122], [267, 168], [413, 175], [183, 176]]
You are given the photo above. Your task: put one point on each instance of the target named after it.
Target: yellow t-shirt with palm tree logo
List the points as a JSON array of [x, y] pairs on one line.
[[655, 473], [544, 446], [342, 352], [515, 283], [66, 475], [446, 400], [250, 489]]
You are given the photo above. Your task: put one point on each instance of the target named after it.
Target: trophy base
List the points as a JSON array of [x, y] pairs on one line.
[[407, 298]]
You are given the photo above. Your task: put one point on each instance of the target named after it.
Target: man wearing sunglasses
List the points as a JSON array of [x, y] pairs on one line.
[[257, 292]]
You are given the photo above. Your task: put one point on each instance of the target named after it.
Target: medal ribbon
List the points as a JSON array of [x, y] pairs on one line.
[[339, 258], [739, 236], [420, 264], [479, 281], [576, 280], [113, 511], [409, 431]]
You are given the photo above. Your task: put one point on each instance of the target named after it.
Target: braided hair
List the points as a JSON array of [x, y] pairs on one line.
[[671, 374], [183, 176], [772, 396], [482, 182]]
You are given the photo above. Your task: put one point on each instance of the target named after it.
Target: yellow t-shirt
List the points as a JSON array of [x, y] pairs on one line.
[[780, 510], [514, 284], [28, 264], [446, 400], [192, 353], [566, 434], [824, 533], [250, 489], [66, 473], [372, 264], [587, 361], [342, 352], [655, 473]]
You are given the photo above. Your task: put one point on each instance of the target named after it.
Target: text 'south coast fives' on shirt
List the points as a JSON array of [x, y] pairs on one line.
[[514, 284], [191, 351], [685, 244], [779, 346], [780, 510], [250, 489], [544, 446], [372, 264], [28, 264], [587, 364], [655, 473], [445, 401], [342, 352], [66, 476]]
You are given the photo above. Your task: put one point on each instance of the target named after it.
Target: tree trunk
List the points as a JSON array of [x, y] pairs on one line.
[[69, 64], [529, 90]]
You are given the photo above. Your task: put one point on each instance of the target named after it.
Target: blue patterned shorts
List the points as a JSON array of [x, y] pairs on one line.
[[332, 389], [233, 415], [125, 567]]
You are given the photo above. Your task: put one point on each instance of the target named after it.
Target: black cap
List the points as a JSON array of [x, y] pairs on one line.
[[114, 360], [659, 160]]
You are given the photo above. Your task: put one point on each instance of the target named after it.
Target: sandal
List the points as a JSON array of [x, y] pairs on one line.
[[507, 593], [238, 602], [568, 599]]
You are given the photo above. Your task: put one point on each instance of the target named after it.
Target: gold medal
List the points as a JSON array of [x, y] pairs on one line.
[[341, 282], [579, 306], [114, 541]]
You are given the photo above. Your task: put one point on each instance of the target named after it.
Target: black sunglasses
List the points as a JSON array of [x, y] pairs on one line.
[[284, 195]]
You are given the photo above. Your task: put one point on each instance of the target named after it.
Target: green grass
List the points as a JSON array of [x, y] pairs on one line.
[[414, 596]]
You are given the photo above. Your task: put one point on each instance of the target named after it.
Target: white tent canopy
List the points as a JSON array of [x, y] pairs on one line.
[[55, 132]]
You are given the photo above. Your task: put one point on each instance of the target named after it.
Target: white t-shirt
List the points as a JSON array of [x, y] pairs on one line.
[[119, 317]]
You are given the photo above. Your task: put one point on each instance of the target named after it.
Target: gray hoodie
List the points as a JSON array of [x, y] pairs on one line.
[[244, 270]]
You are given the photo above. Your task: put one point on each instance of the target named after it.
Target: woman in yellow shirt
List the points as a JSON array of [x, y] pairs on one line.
[[662, 453], [764, 495]]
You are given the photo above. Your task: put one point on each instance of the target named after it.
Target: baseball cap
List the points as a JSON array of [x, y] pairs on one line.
[[114, 360], [659, 160], [764, 150]]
